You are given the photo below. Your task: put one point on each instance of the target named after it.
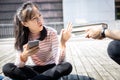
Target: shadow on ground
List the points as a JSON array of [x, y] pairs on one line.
[[76, 77]]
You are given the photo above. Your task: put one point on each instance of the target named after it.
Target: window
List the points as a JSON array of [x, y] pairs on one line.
[[117, 9]]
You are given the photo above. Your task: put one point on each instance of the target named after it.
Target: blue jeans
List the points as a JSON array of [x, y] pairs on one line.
[[1, 77], [114, 50], [47, 72]]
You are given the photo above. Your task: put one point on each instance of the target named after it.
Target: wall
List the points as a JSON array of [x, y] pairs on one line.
[[50, 9], [88, 11]]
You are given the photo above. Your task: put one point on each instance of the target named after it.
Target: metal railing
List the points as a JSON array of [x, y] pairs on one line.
[[7, 30]]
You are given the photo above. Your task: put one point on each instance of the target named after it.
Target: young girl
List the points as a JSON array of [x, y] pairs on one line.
[[47, 58]]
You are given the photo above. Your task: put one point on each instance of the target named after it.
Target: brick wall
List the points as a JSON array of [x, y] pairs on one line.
[[50, 9]]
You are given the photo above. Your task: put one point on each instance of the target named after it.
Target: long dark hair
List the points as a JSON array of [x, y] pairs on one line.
[[21, 32]]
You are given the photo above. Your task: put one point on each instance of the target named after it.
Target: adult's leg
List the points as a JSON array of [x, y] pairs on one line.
[[114, 50], [14, 72], [56, 72]]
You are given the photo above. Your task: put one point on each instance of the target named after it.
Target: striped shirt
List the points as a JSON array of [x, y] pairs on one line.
[[48, 53]]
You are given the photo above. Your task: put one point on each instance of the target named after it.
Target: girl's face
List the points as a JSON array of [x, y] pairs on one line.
[[35, 25]]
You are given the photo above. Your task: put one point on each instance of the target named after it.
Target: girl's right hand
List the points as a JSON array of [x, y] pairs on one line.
[[28, 52]]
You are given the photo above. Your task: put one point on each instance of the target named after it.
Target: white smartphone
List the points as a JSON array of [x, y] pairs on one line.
[[32, 44], [82, 29]]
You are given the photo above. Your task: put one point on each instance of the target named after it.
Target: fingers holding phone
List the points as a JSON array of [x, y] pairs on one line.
[[32, 44], [31, 47], [32, 51]]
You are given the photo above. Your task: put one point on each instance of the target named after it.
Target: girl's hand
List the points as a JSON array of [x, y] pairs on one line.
[[65, 34], [28, 52]]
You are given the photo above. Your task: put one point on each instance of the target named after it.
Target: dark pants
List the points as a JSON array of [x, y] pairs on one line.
[[114, 50], [48, 72]]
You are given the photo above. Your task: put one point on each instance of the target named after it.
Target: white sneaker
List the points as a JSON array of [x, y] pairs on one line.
[[6, 78]]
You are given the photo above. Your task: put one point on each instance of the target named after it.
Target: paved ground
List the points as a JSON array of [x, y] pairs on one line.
[[88, 57]]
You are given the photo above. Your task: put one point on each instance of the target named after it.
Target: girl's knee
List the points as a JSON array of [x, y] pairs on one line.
[[7, 68], [67, 67]]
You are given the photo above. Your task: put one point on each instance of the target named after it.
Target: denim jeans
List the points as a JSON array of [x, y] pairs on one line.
[[114, 50], [47, 72]]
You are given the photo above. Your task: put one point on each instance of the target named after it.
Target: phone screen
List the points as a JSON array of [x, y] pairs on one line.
[[78, 30], [32, 44]]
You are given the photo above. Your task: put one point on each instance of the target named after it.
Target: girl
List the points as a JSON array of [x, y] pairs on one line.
[[47, 58]]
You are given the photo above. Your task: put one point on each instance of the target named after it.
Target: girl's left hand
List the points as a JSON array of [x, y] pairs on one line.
[[66, 34]]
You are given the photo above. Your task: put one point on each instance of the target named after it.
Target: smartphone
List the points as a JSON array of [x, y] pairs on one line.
[[81, 29], [32, 44]]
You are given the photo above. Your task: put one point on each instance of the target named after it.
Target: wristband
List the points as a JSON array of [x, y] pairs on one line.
[[103, 32]]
